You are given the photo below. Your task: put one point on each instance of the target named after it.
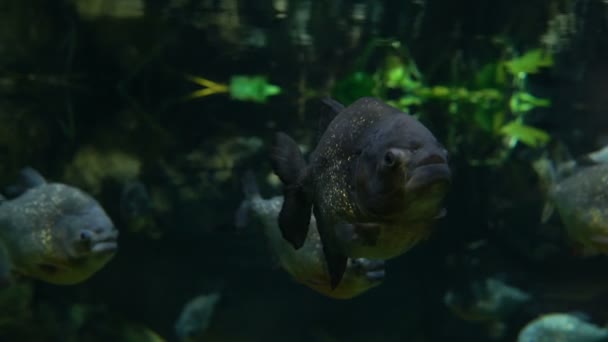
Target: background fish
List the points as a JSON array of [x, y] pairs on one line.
[[565, 327], [578, 191], [375, 182], [53, 232], [307, 264]]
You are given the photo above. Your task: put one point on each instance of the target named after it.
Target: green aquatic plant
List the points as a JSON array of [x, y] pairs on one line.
[[252, 88], [241, 88], [491, 106], [529, 63]]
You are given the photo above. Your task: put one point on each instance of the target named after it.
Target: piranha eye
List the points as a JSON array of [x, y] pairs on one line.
[[86, 235]]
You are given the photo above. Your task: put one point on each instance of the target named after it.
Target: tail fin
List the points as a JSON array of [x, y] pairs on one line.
[[596, 157]]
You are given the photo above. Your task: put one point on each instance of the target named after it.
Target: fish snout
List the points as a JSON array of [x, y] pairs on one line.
[[431, 158], [428, 154], [430, 168], [100, 240]]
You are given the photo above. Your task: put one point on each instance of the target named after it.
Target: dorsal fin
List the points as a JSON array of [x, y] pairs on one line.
[[31, 178], [547, 176], [328, 110], [28, 178], [596, 157], [250, 190]]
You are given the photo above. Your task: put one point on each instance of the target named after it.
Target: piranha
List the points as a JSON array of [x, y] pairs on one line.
[[52, 232], [578, 191], [565, 327], [375, 183], [307, 264]]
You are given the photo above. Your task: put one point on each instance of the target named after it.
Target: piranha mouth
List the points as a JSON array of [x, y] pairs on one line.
[[105, 243], [105, 246], [429, 175]]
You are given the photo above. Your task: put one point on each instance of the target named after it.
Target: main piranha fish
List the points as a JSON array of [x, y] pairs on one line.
[[53, 232], [375, 183], [307, 264]]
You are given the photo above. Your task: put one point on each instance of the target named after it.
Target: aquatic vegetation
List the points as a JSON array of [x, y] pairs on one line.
[[240, 88], [492, 108]]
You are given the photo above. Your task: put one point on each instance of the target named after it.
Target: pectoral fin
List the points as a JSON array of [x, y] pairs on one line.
[[548, 210], [334, 257]]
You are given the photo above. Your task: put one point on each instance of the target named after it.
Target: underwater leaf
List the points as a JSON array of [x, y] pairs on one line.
[[409, 84], [528, 135], [490, 75], [394, 76], [522, 102], [453, 108], [407, 101], [484, 120], [252, 88], [485, 97], [440, 91], [354, 86], [529, 62], [488, 120], [498, 120]]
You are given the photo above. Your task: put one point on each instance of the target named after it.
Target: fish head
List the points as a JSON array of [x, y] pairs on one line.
[[81, 240], [401, 170]]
